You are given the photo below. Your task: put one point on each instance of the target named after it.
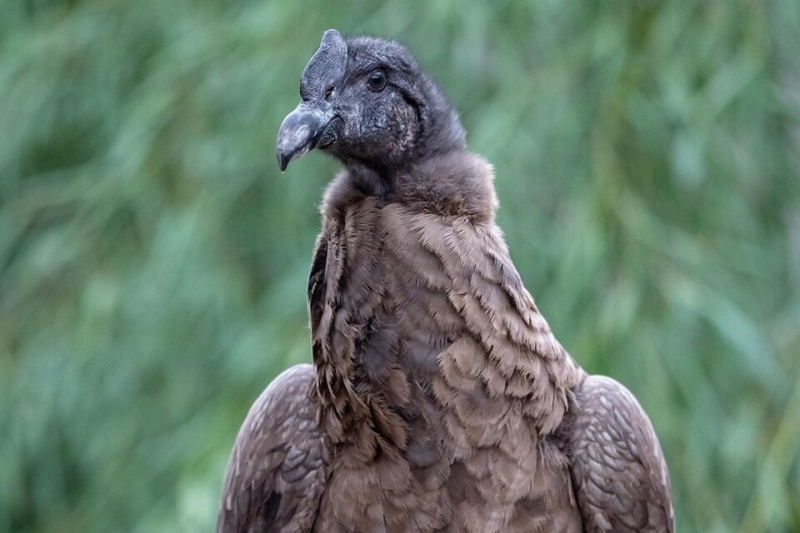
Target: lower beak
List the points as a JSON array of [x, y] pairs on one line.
[[299, 133]]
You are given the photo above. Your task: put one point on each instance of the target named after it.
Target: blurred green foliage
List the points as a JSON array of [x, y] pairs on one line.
[[153, 260]]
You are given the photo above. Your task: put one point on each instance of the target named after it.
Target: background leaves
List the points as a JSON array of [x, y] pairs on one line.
[[153, 260]]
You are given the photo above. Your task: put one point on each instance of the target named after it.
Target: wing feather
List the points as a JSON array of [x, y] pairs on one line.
[[618, 470], [277, 470]]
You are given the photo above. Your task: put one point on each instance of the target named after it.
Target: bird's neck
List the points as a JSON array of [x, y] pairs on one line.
[[360, 385], [393, 300]]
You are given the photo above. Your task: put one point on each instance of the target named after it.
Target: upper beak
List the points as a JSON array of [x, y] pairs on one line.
[[300, 132]]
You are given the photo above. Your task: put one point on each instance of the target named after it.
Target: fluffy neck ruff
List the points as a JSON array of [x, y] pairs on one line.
[[422, 331]]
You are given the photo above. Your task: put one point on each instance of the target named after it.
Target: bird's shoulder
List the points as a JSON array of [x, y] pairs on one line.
[[618, 468], [277, 470]]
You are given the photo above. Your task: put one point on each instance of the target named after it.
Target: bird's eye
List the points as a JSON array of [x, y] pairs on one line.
[[328, 93], [376, 80]]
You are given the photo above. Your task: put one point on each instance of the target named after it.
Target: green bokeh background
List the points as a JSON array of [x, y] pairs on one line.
[[153, 259]]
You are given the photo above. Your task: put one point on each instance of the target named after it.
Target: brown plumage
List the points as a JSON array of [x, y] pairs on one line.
[[439, 399]]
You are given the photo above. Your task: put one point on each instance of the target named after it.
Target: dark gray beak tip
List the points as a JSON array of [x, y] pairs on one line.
[[295, 138], [299, 133], [283, 162]]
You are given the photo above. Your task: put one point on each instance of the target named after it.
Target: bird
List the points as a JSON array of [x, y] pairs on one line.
[[438, 399]]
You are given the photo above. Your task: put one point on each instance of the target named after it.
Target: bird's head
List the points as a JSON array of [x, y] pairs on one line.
[[367, 102]]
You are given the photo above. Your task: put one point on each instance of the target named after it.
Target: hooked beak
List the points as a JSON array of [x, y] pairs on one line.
[[300, 132]]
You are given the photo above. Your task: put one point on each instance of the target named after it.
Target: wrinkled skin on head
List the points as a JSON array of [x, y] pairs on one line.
[[367, 102]]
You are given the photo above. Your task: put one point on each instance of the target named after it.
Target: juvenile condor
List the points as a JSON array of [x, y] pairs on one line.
[[438, 399]]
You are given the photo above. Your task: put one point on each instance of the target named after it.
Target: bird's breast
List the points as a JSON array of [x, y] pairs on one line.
[[439, 382]]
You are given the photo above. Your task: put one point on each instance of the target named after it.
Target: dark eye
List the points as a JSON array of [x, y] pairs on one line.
[[328, 93], [376, 80]]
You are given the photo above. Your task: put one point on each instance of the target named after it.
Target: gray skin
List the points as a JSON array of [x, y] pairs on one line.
[[439, 399], [369, 105]]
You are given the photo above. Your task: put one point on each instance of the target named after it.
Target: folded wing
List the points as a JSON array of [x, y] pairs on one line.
[[277, 470], [618, 470]]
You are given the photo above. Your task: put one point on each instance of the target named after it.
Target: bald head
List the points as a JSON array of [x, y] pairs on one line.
[[367, 102]]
